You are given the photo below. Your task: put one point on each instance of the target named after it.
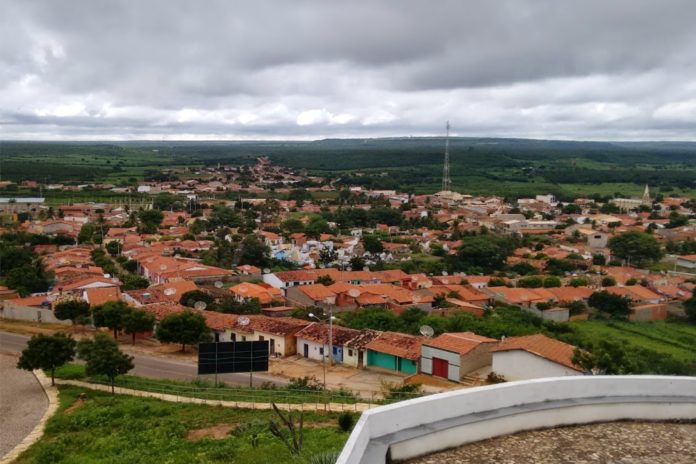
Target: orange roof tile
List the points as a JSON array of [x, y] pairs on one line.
[[397, 344], [458, 342], [543, 346], [98, 296]]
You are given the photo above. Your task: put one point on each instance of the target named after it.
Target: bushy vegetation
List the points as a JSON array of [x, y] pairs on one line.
[[131, 430]]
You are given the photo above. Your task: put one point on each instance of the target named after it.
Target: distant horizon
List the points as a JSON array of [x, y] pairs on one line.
[[298, 139]]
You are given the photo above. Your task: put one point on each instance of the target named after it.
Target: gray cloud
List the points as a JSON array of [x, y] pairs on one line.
[[623, 69]]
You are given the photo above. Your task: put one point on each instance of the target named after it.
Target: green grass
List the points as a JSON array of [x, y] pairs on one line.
[[207, 389], [118, 429], [670, 338]]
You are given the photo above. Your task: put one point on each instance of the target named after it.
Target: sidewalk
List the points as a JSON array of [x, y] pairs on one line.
[[38, 431], [327, 407]]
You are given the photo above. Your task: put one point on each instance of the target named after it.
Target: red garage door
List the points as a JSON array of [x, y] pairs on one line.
[[440, 367]]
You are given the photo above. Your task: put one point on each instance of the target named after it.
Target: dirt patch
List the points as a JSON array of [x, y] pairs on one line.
[[216, 432], [76, 405], [320, 424]]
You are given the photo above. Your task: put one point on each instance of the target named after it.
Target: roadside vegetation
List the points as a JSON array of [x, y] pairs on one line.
[[120, 429]]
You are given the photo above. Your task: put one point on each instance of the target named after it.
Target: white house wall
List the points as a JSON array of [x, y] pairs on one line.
[[522, 365]]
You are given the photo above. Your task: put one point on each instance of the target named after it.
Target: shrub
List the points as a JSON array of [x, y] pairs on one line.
[[346, 421], [396, 392], [325, 457]]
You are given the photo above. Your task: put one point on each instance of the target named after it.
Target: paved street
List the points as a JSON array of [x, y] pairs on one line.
[[22, 403], [153, 366]]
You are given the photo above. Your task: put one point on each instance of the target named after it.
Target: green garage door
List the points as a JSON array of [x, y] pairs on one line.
[[383, 360], [407, 366]]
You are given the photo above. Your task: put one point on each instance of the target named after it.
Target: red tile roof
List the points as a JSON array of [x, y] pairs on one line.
[[397, 344], [543, 346], [458, 342]]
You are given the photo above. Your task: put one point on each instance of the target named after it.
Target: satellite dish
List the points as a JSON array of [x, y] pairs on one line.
[[169, 291], [243, 321], [163, 267], [266, 270], [219, 284], [354, 292], [444, 273], [200, 305], [426, 331], [366, 269], [349, 269]]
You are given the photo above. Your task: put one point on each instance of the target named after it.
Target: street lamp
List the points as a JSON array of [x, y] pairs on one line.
[[323, 358]]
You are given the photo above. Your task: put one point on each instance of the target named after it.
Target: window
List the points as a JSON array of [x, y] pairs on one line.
[[243, 338], [321, 351], [350, 352]]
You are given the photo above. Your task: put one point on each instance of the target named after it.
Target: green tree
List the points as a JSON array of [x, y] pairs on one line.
[[638, 248], [186, 327], [12, 257], [552, 281], [137, 321], [74, 310], [47, 352], [325, 280], [373, 244], [523, 268], [29, 278], [599, 260], [357, 263], [615, 305], [110, 315], [253, 251], [86, 233], [292, 226], [530, 282], [317, 226], [150, 220], [133, 282], [484, 254], [327, 256], [113, 247], [690, 309], [608, 281], [103, 357], [191, 298]]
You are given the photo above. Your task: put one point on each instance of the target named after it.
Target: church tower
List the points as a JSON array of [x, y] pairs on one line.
[[647, 201]]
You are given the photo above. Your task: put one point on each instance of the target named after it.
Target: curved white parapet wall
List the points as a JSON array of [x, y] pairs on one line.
[[432, 423]]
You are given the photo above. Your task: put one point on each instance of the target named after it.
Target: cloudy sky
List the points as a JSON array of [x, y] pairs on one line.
[[171, 69]]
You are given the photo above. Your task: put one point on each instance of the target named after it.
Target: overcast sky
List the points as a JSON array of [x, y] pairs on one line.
[[141, 69]]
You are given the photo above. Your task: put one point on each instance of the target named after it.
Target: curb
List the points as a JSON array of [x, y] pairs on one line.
[[38, 431]]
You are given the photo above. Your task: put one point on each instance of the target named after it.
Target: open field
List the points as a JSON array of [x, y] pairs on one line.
[[506, 167], [129, 430], [671, 338]]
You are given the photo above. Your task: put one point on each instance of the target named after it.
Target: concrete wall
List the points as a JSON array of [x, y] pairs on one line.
[[436, 422], [458, 366], [522, 365], [29, 313], [314, 349], [476, 358], [453, 361]]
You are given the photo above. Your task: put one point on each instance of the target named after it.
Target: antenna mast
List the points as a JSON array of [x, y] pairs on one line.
[[446, 181]]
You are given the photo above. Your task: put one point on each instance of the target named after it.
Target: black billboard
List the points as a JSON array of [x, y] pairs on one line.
[[231, 357]]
